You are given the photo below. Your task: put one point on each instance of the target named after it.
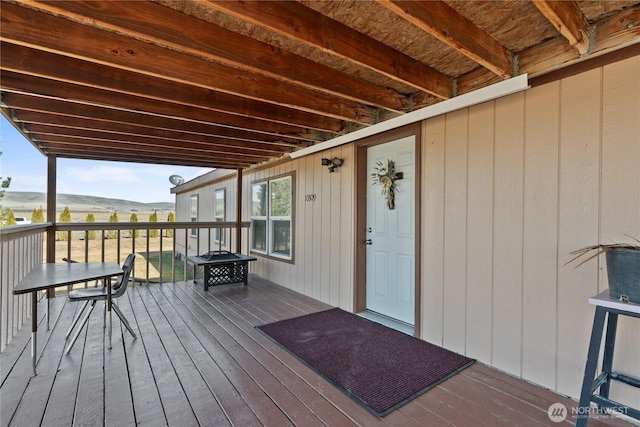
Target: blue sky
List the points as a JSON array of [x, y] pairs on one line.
[[139, 182]]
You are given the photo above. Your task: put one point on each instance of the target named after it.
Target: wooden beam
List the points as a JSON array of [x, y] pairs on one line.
[[151, 90], [165, 27], [51, 206], [23, 83], [29, 106], [78, 126], [239, 211], [114, 50], [614, 32], [218, 146], [569, 20], [150, 159], [300, 23], [443, 22], [96, 143], [50, 141]]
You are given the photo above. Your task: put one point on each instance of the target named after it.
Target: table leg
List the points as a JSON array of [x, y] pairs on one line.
[[34, 329], [48, 311], [590, 369], [109, 308], [607, 358]]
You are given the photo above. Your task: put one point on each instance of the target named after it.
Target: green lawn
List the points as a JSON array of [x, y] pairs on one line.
[[167, 260]]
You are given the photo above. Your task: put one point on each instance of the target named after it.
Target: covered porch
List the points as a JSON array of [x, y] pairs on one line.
[[199, 360]]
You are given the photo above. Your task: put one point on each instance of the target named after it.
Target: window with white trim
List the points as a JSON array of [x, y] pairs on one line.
[[271, 217], [218, 213], [193, 214]]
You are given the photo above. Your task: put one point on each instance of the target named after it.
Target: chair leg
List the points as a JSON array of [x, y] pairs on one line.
[[82, 325], [122, 318], [76, 318]]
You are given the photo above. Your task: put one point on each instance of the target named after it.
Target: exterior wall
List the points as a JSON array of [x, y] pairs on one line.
[[205, 213], [323, 228], [511, 187]]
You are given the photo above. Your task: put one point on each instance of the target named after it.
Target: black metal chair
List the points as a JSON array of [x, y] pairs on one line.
[[93, 295]]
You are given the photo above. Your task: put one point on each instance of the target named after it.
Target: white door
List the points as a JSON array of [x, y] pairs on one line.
[[390, 234]]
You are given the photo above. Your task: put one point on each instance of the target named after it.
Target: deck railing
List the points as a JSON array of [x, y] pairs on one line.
[[21, 248], [162, 249]]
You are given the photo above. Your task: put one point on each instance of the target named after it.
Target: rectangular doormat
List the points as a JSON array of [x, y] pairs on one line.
[[380, 368]]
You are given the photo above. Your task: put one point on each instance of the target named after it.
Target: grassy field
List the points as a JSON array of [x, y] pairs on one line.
[[116, 250], [147, 262]]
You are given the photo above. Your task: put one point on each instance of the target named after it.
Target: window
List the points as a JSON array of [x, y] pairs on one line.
[[218, 213], [193, 214], [271, 217]]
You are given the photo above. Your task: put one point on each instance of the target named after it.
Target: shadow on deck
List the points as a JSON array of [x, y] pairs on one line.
[[198, 360]]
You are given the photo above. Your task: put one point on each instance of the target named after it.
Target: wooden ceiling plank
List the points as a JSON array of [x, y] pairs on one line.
[[165, 27], [115, 50], [163, 139], [569, 20], [613, 32], [48, 65], [450, 27], [55, 107], [300, 23]]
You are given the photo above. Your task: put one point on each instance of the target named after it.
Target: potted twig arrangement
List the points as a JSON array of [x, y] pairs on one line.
[[623, 267]]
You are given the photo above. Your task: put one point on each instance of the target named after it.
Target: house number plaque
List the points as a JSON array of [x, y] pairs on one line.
[[310, 198]]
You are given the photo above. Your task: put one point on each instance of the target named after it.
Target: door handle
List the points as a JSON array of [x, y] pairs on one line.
[[368, 242]]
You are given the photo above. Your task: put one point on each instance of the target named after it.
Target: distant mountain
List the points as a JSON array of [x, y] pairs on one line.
[[22, 200]]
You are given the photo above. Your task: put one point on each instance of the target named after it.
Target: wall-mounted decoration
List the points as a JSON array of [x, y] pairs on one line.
[[386, 176], [332, 164]]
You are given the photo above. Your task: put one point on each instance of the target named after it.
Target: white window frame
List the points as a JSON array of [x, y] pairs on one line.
[[270, 219], [193, 214]]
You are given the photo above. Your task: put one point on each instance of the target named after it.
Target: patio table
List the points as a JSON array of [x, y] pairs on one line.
[[52, 275], [606, 307]]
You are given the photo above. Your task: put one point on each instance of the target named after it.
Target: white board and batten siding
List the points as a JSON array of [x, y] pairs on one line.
[[206, 195], [508, 189], [533, 176], [323, 228]]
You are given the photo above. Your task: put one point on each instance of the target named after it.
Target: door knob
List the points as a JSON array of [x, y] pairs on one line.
[[368, 242]]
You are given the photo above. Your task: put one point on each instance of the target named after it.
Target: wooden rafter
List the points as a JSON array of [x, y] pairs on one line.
[[78, 127], [232, 84], [110, 49], [104, 141], [569, 20], [613, 32], [447, 25], [56, 109], [120, 85], [165, 27], [300, 23]]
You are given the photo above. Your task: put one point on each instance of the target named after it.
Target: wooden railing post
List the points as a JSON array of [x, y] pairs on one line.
[[239, 212]]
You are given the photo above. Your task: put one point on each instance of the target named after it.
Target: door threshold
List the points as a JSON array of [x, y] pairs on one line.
[[387, 321]]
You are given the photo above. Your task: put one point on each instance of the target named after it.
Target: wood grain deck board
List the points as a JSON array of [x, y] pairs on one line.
[[200, 361]]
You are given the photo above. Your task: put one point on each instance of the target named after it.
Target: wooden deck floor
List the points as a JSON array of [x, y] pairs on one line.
[[198, 360]]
